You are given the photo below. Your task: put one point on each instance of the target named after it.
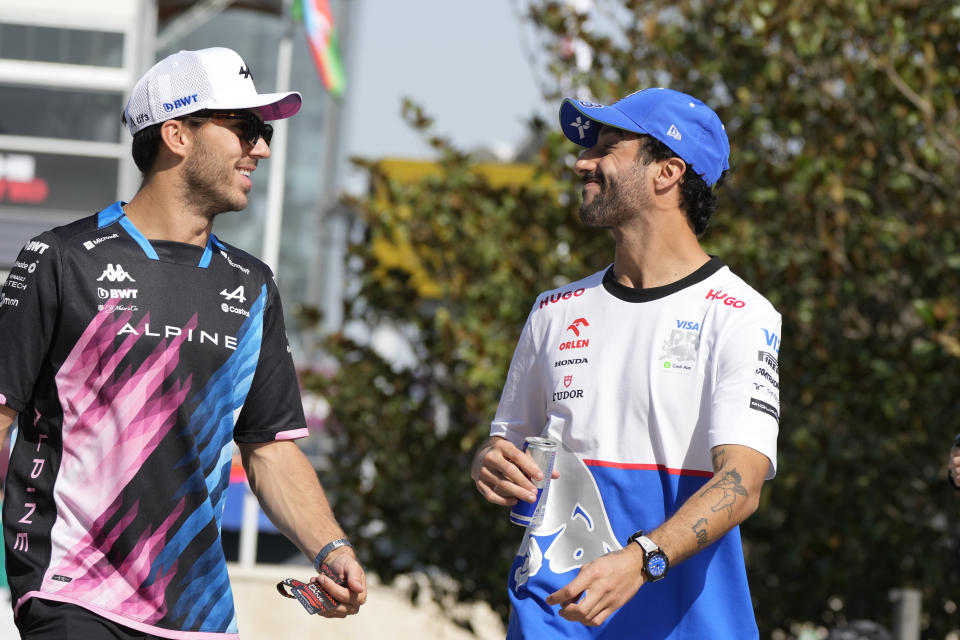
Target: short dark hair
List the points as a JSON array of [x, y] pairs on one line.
[[146, 143], [697, 199]]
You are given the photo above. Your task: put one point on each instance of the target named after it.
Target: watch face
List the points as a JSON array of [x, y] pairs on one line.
[[657, 565]]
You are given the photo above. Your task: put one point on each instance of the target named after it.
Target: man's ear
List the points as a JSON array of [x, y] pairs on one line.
[[670, 173], [177, 137]]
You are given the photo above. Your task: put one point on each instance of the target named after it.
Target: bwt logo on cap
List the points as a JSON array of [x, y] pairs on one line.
[[179, 103]]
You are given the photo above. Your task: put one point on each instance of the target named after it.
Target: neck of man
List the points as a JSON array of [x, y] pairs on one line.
[[656, 250], [161, 212]]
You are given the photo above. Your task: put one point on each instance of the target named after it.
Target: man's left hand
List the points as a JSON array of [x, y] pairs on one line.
[[605, 584]]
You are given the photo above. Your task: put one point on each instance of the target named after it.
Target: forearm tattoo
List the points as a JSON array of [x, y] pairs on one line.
[[730, 485], [719, 458], [700, 529]]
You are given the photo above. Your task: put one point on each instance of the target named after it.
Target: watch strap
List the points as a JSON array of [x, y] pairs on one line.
[[648, 545], [327, 548]]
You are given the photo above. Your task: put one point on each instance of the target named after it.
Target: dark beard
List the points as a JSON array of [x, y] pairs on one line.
[[611, 207], [206, 185]]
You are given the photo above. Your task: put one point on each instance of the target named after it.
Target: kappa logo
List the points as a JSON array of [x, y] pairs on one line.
[[115, 274], [245, 72], [581, 126], [576, 323], [674, 133]]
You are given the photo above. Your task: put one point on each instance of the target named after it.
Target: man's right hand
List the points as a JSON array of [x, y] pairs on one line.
[[504, 474]]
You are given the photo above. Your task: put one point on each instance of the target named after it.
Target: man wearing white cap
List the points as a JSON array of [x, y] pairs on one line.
[[658, 377], [137, 348]]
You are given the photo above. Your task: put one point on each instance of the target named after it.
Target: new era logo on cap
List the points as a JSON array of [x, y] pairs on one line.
[[674, 132], [188, 81]]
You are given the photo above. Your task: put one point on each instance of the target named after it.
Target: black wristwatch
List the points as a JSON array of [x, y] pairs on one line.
[[655, 562]]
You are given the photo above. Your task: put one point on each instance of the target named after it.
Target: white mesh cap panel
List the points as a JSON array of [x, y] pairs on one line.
[[188, 81]]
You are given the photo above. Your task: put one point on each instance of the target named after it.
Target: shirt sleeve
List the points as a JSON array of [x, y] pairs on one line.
[[746, 400], [29, 309], [273, 409], [522, 409]]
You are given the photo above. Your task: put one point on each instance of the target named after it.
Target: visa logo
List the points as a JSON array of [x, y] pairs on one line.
[[773, 340], [689, 325], [180, 102]]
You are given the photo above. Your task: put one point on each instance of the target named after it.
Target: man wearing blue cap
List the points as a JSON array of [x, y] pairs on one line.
[[658, 376]]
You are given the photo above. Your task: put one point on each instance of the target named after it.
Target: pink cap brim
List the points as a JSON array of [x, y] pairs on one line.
[[272, 106]]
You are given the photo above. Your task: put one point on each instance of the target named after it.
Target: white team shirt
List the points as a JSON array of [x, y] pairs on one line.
[[639, 385]]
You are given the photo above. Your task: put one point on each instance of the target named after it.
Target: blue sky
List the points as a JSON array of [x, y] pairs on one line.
[[463, 60]]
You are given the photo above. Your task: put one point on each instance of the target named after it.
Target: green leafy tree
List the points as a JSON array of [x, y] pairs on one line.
[[841, 208]]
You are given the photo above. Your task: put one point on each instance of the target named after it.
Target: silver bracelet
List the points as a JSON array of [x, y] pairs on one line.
[[327, 548]]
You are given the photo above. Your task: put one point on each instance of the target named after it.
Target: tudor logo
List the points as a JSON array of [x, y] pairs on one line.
[[576, 323], [237, 294], [115, 274], [567, 381]]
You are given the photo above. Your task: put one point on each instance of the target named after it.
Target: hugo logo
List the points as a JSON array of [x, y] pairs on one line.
[[557, 297], [727, 300]]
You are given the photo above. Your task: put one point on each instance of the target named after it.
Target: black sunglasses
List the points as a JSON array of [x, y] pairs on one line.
[[250, 128]]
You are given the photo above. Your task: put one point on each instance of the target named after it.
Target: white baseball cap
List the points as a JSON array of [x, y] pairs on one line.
[[188, 81]]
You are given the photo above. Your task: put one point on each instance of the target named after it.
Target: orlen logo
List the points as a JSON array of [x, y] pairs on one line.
[[180, 103], [727, 300], [576, 323], [557, 297], [115, 274]]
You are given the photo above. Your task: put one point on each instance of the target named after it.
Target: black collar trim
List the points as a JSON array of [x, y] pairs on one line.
[[629, 294]]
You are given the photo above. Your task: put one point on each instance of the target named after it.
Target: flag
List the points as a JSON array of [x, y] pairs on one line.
[[322, 38]]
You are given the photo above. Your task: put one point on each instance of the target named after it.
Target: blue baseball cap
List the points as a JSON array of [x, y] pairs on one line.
[[689, 127]]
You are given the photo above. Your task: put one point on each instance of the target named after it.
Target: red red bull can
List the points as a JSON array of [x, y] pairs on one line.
[[544, 453]]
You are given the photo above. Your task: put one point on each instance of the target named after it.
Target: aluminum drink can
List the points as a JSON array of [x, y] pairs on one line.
[[544, 453]]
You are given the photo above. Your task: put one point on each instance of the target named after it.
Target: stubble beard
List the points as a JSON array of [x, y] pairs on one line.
[[616, 202], [208, 182]]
